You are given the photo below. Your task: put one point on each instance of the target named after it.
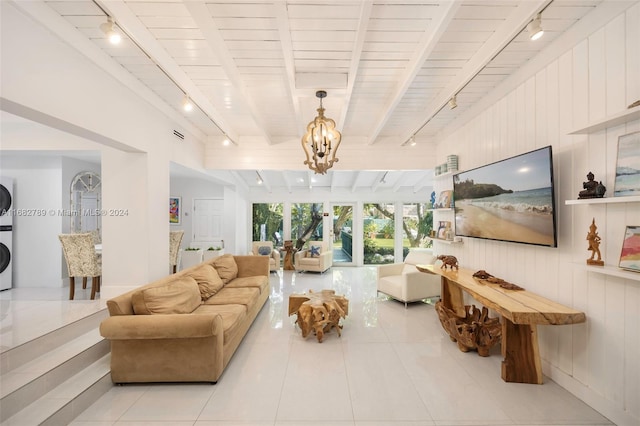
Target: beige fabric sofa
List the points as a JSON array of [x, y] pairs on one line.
[[186, 327], [322, 260], [403, 281], [273, 255]]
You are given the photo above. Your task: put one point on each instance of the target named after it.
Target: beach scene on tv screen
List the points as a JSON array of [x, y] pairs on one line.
[[511, 200]]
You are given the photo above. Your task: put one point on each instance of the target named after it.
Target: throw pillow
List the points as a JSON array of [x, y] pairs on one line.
[[180, 296], [226, 267], [314, 251], [264, 250], [209, 282]]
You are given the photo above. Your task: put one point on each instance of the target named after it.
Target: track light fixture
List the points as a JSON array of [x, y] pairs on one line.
[[535, 28], [259, 178], [107, 28], [453, 102], [187, 105]]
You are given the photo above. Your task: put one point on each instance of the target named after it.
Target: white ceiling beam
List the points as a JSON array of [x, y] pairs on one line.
[[240, 181], [201, 15], [378, 181], [355, 181], [428, 42], [139, 33], [361, 34], [282, 18], [287, 181], [424, 182], [399, 182], [309, 177], [265, 182], [511, 27]]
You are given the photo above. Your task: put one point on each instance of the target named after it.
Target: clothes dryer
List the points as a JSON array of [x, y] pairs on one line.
[[6, 232], [6, 243]]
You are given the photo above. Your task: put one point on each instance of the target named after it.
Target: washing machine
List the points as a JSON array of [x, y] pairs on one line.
[[6, 232]]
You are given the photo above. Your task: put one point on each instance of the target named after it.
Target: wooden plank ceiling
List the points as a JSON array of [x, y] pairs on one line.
[[389, 67]]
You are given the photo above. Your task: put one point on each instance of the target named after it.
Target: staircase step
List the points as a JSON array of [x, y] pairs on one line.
[[30, 381], [15, 357], [67, 400]]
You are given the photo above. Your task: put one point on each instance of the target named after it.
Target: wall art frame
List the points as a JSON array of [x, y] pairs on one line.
[[627, 181], [630, 253], [175, 210]]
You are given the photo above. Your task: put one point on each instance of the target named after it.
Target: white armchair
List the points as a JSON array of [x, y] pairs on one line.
[[317, 257], [265, 248], [403, 281]]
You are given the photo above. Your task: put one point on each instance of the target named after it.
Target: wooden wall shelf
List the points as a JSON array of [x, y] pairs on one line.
[[613, 271], [605, 200], [623, 117]]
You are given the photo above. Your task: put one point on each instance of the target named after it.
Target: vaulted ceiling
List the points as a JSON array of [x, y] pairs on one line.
[[252, 67]]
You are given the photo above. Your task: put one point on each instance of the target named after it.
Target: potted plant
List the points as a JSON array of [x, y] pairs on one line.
[[212, 252], [191, 256]]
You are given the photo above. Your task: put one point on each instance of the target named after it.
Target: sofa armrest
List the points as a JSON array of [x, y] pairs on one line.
[[250, 266], [326, 259], [275, 254], [299, 255], [172, 326], [390, 269]]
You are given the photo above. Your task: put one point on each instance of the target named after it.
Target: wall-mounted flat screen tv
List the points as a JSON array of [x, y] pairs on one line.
[[510, 200]]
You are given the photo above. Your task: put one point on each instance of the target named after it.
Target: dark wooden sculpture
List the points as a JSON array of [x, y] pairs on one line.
[[592, 189], [474, 331], [448, 260], [483, 275]]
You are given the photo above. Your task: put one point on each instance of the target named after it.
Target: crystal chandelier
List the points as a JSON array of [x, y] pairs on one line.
[[321, 141]]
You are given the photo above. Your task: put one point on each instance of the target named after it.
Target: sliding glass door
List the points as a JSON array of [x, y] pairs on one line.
[[342, 234]]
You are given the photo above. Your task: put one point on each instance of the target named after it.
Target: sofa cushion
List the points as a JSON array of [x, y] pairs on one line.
[[247, 296], [209, 282], [308, 261], [180, 296], [233, 317], [314, 251], [260, 282], [226, 267], [264, 250]]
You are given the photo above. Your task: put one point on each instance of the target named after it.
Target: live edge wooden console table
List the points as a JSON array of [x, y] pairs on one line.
[[521, 312]]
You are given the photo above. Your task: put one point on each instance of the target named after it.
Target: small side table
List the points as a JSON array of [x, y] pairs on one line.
[[288, 249]]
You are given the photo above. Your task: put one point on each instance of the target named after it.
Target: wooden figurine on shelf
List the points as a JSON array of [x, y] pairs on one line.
[[448, 260], [592, 189], [594, 245]]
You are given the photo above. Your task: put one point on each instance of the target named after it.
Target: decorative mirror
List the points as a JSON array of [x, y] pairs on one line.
[[86, 203]]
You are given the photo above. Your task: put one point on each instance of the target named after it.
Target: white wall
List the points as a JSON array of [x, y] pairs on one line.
[[594, 75], [189, 189], [37, 188], [75, 95]]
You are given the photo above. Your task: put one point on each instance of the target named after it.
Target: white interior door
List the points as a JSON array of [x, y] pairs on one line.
[[207, 219]]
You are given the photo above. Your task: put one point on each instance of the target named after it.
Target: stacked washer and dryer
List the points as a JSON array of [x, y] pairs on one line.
[[6, 232]]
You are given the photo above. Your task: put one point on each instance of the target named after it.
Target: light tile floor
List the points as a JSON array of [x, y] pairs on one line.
[[392, 366]]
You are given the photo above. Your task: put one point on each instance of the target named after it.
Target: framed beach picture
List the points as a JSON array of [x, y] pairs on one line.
[[628, 166], [630, 255], [444, 199], [175, 207]]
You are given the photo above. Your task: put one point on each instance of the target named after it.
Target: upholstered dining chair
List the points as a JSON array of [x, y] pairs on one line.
[[82, 261], [175, 239]]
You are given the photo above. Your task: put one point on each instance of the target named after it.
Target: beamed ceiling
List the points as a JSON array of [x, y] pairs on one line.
[[252, 67]]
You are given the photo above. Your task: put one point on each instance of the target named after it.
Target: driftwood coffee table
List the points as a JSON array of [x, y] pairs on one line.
[[318, 312]]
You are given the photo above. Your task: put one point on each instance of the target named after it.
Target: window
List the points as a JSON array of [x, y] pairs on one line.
[[379, 233], [417, 222], [267, 223], [306, 223]]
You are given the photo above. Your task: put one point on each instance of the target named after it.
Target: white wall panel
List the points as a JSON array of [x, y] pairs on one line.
[[597, 360], [633, 54], [616, 64]]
